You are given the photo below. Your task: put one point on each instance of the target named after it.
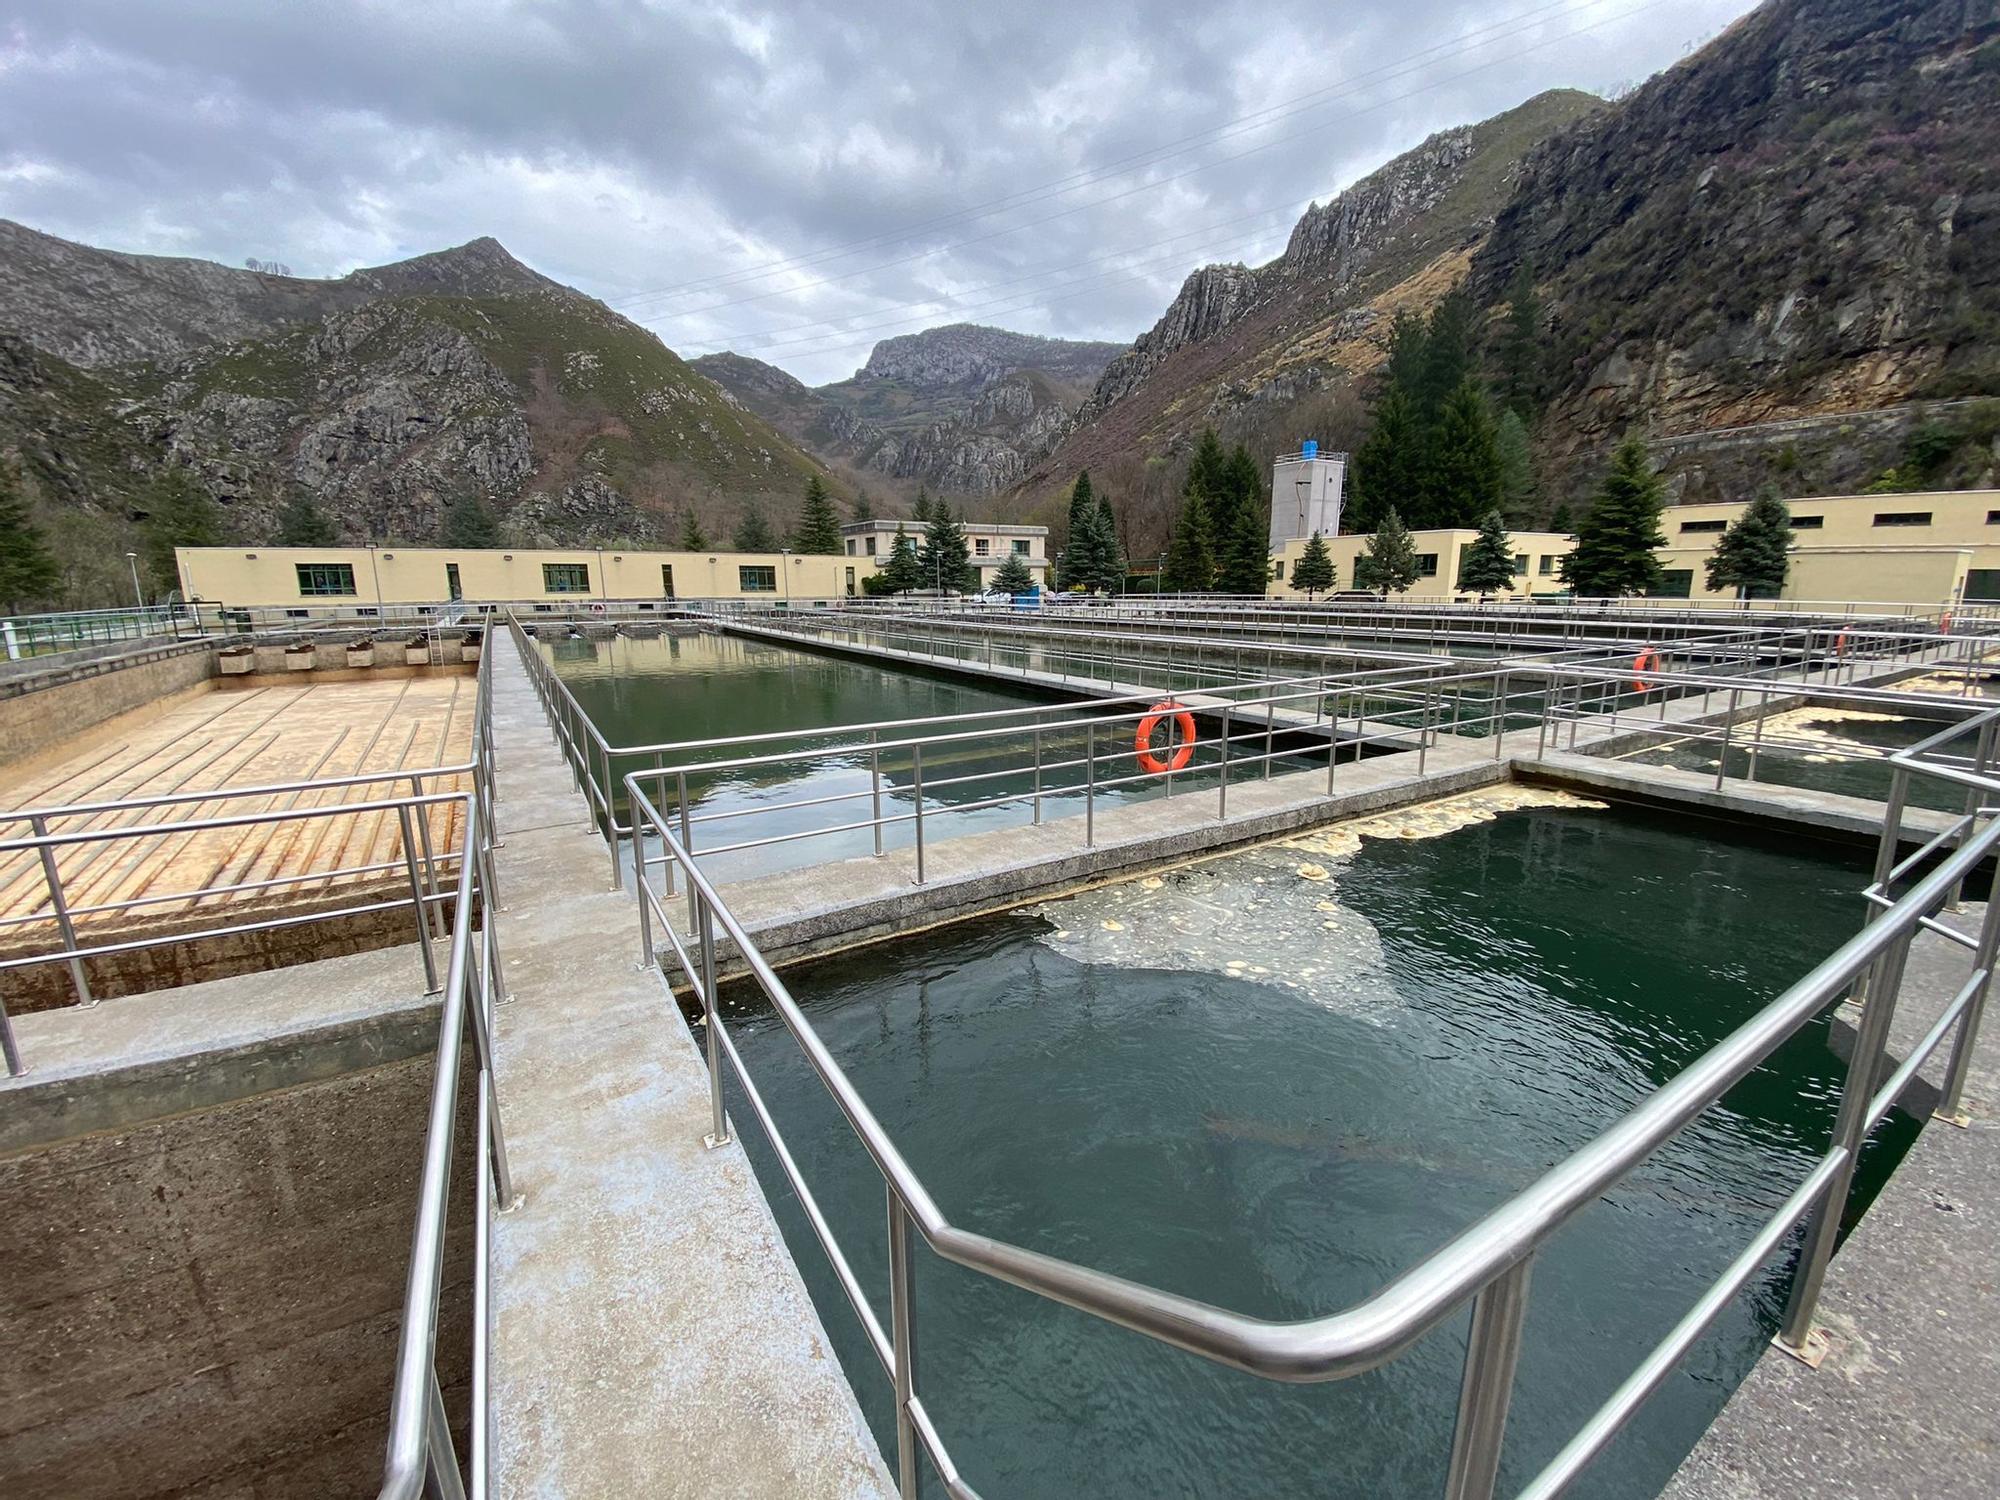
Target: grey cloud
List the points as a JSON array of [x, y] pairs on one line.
[[627, 147]]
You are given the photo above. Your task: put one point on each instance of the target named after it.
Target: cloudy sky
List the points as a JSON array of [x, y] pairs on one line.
[[793, 181]]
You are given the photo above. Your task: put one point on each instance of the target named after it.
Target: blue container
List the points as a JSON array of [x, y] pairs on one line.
[[1309, 449]]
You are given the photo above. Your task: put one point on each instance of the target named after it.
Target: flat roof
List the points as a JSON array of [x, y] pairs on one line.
[[1006, 528]]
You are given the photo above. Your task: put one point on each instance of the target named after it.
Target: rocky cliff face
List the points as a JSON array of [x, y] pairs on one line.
[[384, 395], [1238, 337], [1803, 218], [962, 409]]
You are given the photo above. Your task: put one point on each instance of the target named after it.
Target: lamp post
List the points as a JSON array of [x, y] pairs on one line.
[[785, 567], [138, 594]]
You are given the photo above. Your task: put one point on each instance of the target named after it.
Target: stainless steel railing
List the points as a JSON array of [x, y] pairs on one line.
[[421, 1457], [1072, 755], [1488, 1265]]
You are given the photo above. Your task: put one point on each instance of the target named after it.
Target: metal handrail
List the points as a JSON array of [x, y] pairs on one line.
[[1487, 1264], [420, 1457]]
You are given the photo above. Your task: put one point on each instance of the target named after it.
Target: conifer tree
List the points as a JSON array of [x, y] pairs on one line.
[[468, 523], [1388, 466], [1462, 465], [1754, 555], [1205, 471], [1449, 337], [1561, 520], [1190, 566], [1013, 575], [1615, 541], [301, 523], [818, 530], [693, 538], [1079, 555], [753, 533], [944, 561], [1314, 571], [28, 571], [179, 513], [920, 509], [1112, 552], [905, 572], [1518, 500], [1243, 560], [1488, 565], [1390, 563], [862, 508]]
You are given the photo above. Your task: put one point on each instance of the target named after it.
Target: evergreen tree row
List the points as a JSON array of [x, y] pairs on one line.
[[1092, 560], [1221, 539]]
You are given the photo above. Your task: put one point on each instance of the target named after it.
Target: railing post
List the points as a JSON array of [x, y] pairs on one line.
[[1949, 1107], [40, 828], [431, 984], [718, 1128], [1090, 785], [1728, 724], [1850, 1129], [1270, 711], [1487, 1389], [1981, 757], [687, 844], [1222, 787], [1500, 718], [917, 789], [875, 787], [902, 1334], [646, 953], [1332, 735], [1038, 774], [1757, 731], [436, 908]]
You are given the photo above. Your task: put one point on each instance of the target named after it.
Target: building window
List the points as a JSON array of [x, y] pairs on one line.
[[1992, 518], [298, 614], [981, 547], [871, 546], [1902, 518], [1278, 570], [1675, 583], [1020, 549], [667, 579], [850, 583], [756, 580], [1818, 523], [565, 578], [1687, 526], [850, 546], [1427, 565], [1546, 566], [1520, 564], [318, 580]]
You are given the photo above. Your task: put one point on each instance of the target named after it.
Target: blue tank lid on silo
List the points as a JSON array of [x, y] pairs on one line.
[[1309, 449]]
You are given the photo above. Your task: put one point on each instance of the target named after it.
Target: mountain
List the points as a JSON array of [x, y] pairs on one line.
[[1238, 337], [1778, 261], [963, 409], [1794, 227], [384, 395]]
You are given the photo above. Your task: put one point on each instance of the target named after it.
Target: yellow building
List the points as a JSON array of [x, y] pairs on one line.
[[341, 579], [988, 544], [1439, 556], [1933, 548]]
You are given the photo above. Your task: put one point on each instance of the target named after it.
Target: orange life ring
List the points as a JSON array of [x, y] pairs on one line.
[[1840, 644], [1944, 623], [1648, 660], [1142, 742]]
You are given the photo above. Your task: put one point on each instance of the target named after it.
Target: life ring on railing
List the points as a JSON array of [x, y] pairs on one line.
[[1648, 660], [1840, 644], [1142, 742], [596, 608], [1944, 623]]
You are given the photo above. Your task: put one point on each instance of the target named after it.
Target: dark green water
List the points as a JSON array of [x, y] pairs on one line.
[[1285, 1154], [666, 690]]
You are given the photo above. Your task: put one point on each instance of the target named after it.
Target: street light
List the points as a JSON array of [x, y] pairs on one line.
[[132, 562]]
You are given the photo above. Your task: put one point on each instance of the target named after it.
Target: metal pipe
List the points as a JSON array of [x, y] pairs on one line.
[[902, 1309], [1492, 1351], [917, 798], [417, 901]]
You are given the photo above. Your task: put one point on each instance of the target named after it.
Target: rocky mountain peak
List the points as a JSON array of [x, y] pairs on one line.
[[478, 268], [967, 357]]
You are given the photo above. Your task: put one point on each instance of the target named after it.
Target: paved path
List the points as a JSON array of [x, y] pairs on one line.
[[1907, 1404], [652, 1336]]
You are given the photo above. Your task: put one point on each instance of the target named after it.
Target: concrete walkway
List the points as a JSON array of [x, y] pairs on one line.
[[651, 1334], [1907, 1404]]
